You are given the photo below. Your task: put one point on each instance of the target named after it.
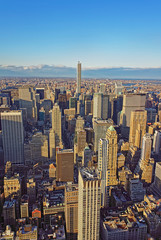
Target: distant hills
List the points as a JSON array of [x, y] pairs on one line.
[[63, 71]]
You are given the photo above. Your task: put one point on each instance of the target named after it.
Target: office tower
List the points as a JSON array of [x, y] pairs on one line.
[[156, 185], [117, 108], [111, 136], [100, 106], [41, 92], [38, 148], [118, 88], [12, 186], [89, 203], [81, 141], [137, 127], [100, 128], [102, 168], [31, 190], [13, 136], [62, 100], [151, 115], [73, 102], [56, 124], [64, 165], [146, 163], [71, 211], [157, 142], [27, 100], [88, 104], [52, 144], [79, 123], [131, 102], [146, 148], [78, 78], [9, 212], [87, 156]]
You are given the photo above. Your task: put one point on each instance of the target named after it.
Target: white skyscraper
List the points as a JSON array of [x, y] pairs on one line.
[[89, 203], [100, 106], [78, 78], [13, 136], [102, 168], [157, 142]]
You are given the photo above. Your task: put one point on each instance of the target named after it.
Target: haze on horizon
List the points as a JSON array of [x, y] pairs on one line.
[[98, 33]]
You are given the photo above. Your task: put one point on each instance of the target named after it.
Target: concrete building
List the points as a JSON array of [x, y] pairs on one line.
[[13, 136], [27, 100], [89, 203], [56, 124], [100, 128], [9, 213], [65, 165], [78, 78], [52, 144], [156, 186], [100, 106], [31, 190], [71, 211], [135, 188], [138, 122], [145, 153], [81, 141], [102, 168], [157, 142], [111, 136], [131, 102]]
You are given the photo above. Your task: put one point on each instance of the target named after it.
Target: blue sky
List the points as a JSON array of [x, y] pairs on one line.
[[99, 33]]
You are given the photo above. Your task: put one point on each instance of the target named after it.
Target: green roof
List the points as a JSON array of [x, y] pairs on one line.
[[111, 128]]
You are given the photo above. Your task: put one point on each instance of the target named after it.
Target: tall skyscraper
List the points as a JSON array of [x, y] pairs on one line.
[[78, 78], [157, 142], [102, 168], [100, 106], [131, 102], [65, 165], [137, 127], [111, 136], [71, 211], [56, 124], [146, 163], [27, 100], [89, 203], [13, 136]]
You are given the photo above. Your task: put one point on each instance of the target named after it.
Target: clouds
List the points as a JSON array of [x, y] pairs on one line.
[[43, 70]]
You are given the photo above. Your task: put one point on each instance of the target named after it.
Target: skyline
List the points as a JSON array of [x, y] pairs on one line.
[[100, 34], [70, 72]]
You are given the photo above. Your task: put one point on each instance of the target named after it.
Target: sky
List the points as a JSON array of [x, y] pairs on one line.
[[99, 33]]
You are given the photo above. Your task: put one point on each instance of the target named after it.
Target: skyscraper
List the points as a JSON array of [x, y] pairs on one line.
[[111, 136], [78, 78], [89, 202], [71, 211], [56, 124], [137, 127], [131, 102], [65, 165], [100, 106], [27, 100], [102, 168], [13, 136]]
